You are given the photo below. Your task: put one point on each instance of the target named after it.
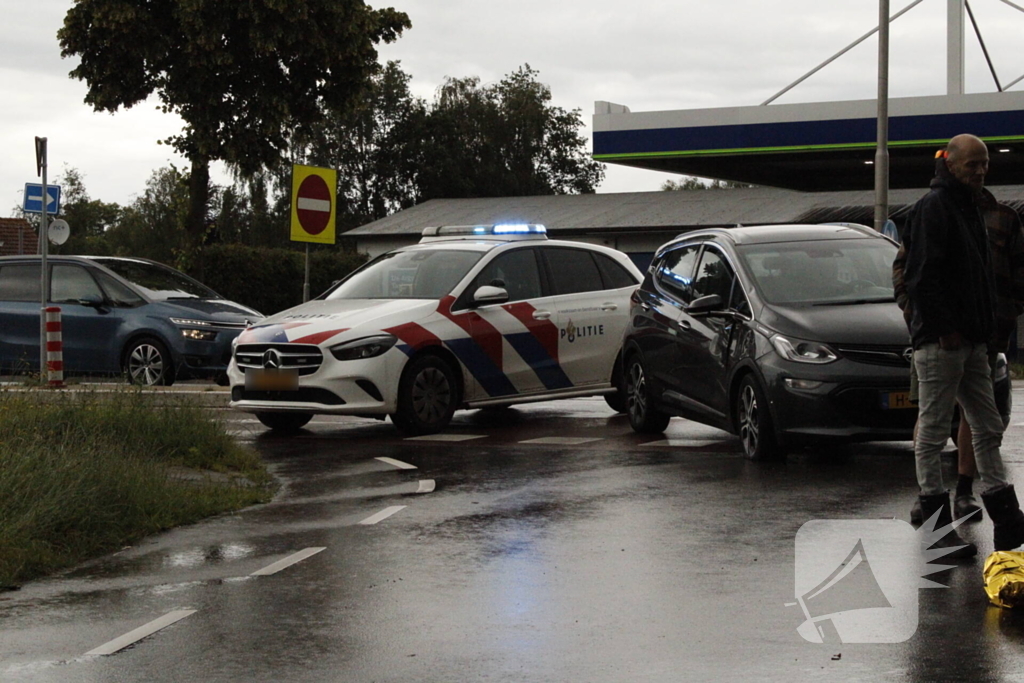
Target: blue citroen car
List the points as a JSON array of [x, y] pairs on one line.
[[129, 316]]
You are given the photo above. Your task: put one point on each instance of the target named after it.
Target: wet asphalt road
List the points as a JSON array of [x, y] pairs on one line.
[[546, 543]]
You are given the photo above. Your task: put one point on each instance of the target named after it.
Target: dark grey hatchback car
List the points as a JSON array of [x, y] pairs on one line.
[[127, 316], [780, 334]]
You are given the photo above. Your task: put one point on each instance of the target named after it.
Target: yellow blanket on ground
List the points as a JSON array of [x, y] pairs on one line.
[[1004, 578]]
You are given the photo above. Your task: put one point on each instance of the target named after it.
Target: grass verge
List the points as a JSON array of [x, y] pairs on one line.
[[82, 474]]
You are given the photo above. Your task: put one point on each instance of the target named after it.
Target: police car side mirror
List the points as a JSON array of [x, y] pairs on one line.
[[489, 294]]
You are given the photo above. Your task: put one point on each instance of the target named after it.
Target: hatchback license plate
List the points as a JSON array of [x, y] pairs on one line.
[[896, 400], [257, 379]]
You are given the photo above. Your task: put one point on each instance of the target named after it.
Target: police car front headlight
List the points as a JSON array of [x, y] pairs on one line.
[[367, 347]]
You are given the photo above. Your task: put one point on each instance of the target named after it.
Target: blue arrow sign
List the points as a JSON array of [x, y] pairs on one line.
[[34, 199]]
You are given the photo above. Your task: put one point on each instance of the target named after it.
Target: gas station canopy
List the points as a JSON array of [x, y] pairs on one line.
[[814, 147]]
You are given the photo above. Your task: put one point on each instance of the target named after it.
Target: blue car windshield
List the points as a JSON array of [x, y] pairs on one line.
[[429, 274], [826, 272], [157, 281]]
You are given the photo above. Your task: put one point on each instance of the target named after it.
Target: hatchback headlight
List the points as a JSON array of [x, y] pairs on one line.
[[367, 347], [199, 335], [802, 351]]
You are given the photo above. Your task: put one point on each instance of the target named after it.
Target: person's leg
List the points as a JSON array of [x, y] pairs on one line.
[[964, 502], [939, 373], [978, 407], [978, 402]]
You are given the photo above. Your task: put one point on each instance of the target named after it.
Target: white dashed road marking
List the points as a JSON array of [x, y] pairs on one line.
[[426, 486], [141, 632], [447, 437], [562, 440], [287, 562], [397, 463], [382, 515]]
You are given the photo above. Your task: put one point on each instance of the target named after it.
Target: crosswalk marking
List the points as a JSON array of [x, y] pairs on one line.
[[447, 437], [562, 440]]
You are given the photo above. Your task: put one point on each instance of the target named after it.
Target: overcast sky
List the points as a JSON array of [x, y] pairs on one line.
[[647, 54]]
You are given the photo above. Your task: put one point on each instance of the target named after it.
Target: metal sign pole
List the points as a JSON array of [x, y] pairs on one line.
[[44, 281], [305, 283], [882, 153]]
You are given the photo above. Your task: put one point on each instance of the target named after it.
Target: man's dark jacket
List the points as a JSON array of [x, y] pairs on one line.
[[947, 272]]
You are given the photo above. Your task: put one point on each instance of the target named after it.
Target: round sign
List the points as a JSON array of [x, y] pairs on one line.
[[58, 232], [313, 204]]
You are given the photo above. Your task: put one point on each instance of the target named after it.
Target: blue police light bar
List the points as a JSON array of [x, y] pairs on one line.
[[503, 230]]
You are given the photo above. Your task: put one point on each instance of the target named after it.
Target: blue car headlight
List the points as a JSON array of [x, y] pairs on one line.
[[801, 351], [367, 347], [192, 329]]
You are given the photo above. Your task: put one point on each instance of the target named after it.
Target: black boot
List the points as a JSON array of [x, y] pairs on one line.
[[1007, 519], [915, 513], [940, 502]]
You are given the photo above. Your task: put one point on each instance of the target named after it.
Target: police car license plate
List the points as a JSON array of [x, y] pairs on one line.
[[259, 379], [895, 400]]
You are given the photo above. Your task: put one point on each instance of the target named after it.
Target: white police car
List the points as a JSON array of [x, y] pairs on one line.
[[470, 317]]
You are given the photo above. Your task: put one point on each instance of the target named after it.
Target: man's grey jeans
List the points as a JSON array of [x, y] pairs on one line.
[[947, 376]]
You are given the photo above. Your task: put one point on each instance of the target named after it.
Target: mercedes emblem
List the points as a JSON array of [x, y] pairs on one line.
[[271, 359]]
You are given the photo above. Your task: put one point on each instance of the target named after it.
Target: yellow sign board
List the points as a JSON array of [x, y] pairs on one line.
[[314, 204]]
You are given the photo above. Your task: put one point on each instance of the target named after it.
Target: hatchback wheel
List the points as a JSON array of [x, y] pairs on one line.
[[617, 401], [754, 422], [147, 362], [284, 422], [428, 395], [643, 416]]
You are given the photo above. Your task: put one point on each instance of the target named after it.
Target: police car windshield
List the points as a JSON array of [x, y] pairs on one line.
[[823, 273], [157, 281], [429, 274]]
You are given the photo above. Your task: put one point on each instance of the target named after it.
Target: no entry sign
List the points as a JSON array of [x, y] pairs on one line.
[[314, 198]]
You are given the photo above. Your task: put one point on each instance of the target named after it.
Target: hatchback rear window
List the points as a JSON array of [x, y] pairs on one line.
[[20, 283]]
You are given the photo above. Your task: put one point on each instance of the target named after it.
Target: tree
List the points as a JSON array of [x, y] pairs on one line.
[[694, 183], [242, 75], [503, 140], [89, 219], [374, 146], [153, 226]]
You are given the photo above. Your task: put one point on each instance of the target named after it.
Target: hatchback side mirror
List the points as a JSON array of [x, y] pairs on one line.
[[489, 294], [91, 302], [705, 305]]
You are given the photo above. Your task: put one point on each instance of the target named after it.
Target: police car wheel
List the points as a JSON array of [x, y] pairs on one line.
[[427, 396], [284, 422], [147, 362], [643, 416]]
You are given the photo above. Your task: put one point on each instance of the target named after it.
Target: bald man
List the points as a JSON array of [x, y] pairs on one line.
[[952, 302]]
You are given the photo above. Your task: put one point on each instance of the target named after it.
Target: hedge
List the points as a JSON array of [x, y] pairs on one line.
[[270, 280]]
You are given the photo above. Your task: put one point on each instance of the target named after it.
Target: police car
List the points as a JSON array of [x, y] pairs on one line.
[[471, 317]]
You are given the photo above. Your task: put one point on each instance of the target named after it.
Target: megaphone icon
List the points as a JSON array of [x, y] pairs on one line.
[[851, 586]]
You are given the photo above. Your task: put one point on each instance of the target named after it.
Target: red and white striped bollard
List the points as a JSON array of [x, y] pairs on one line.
[[54, 347]]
